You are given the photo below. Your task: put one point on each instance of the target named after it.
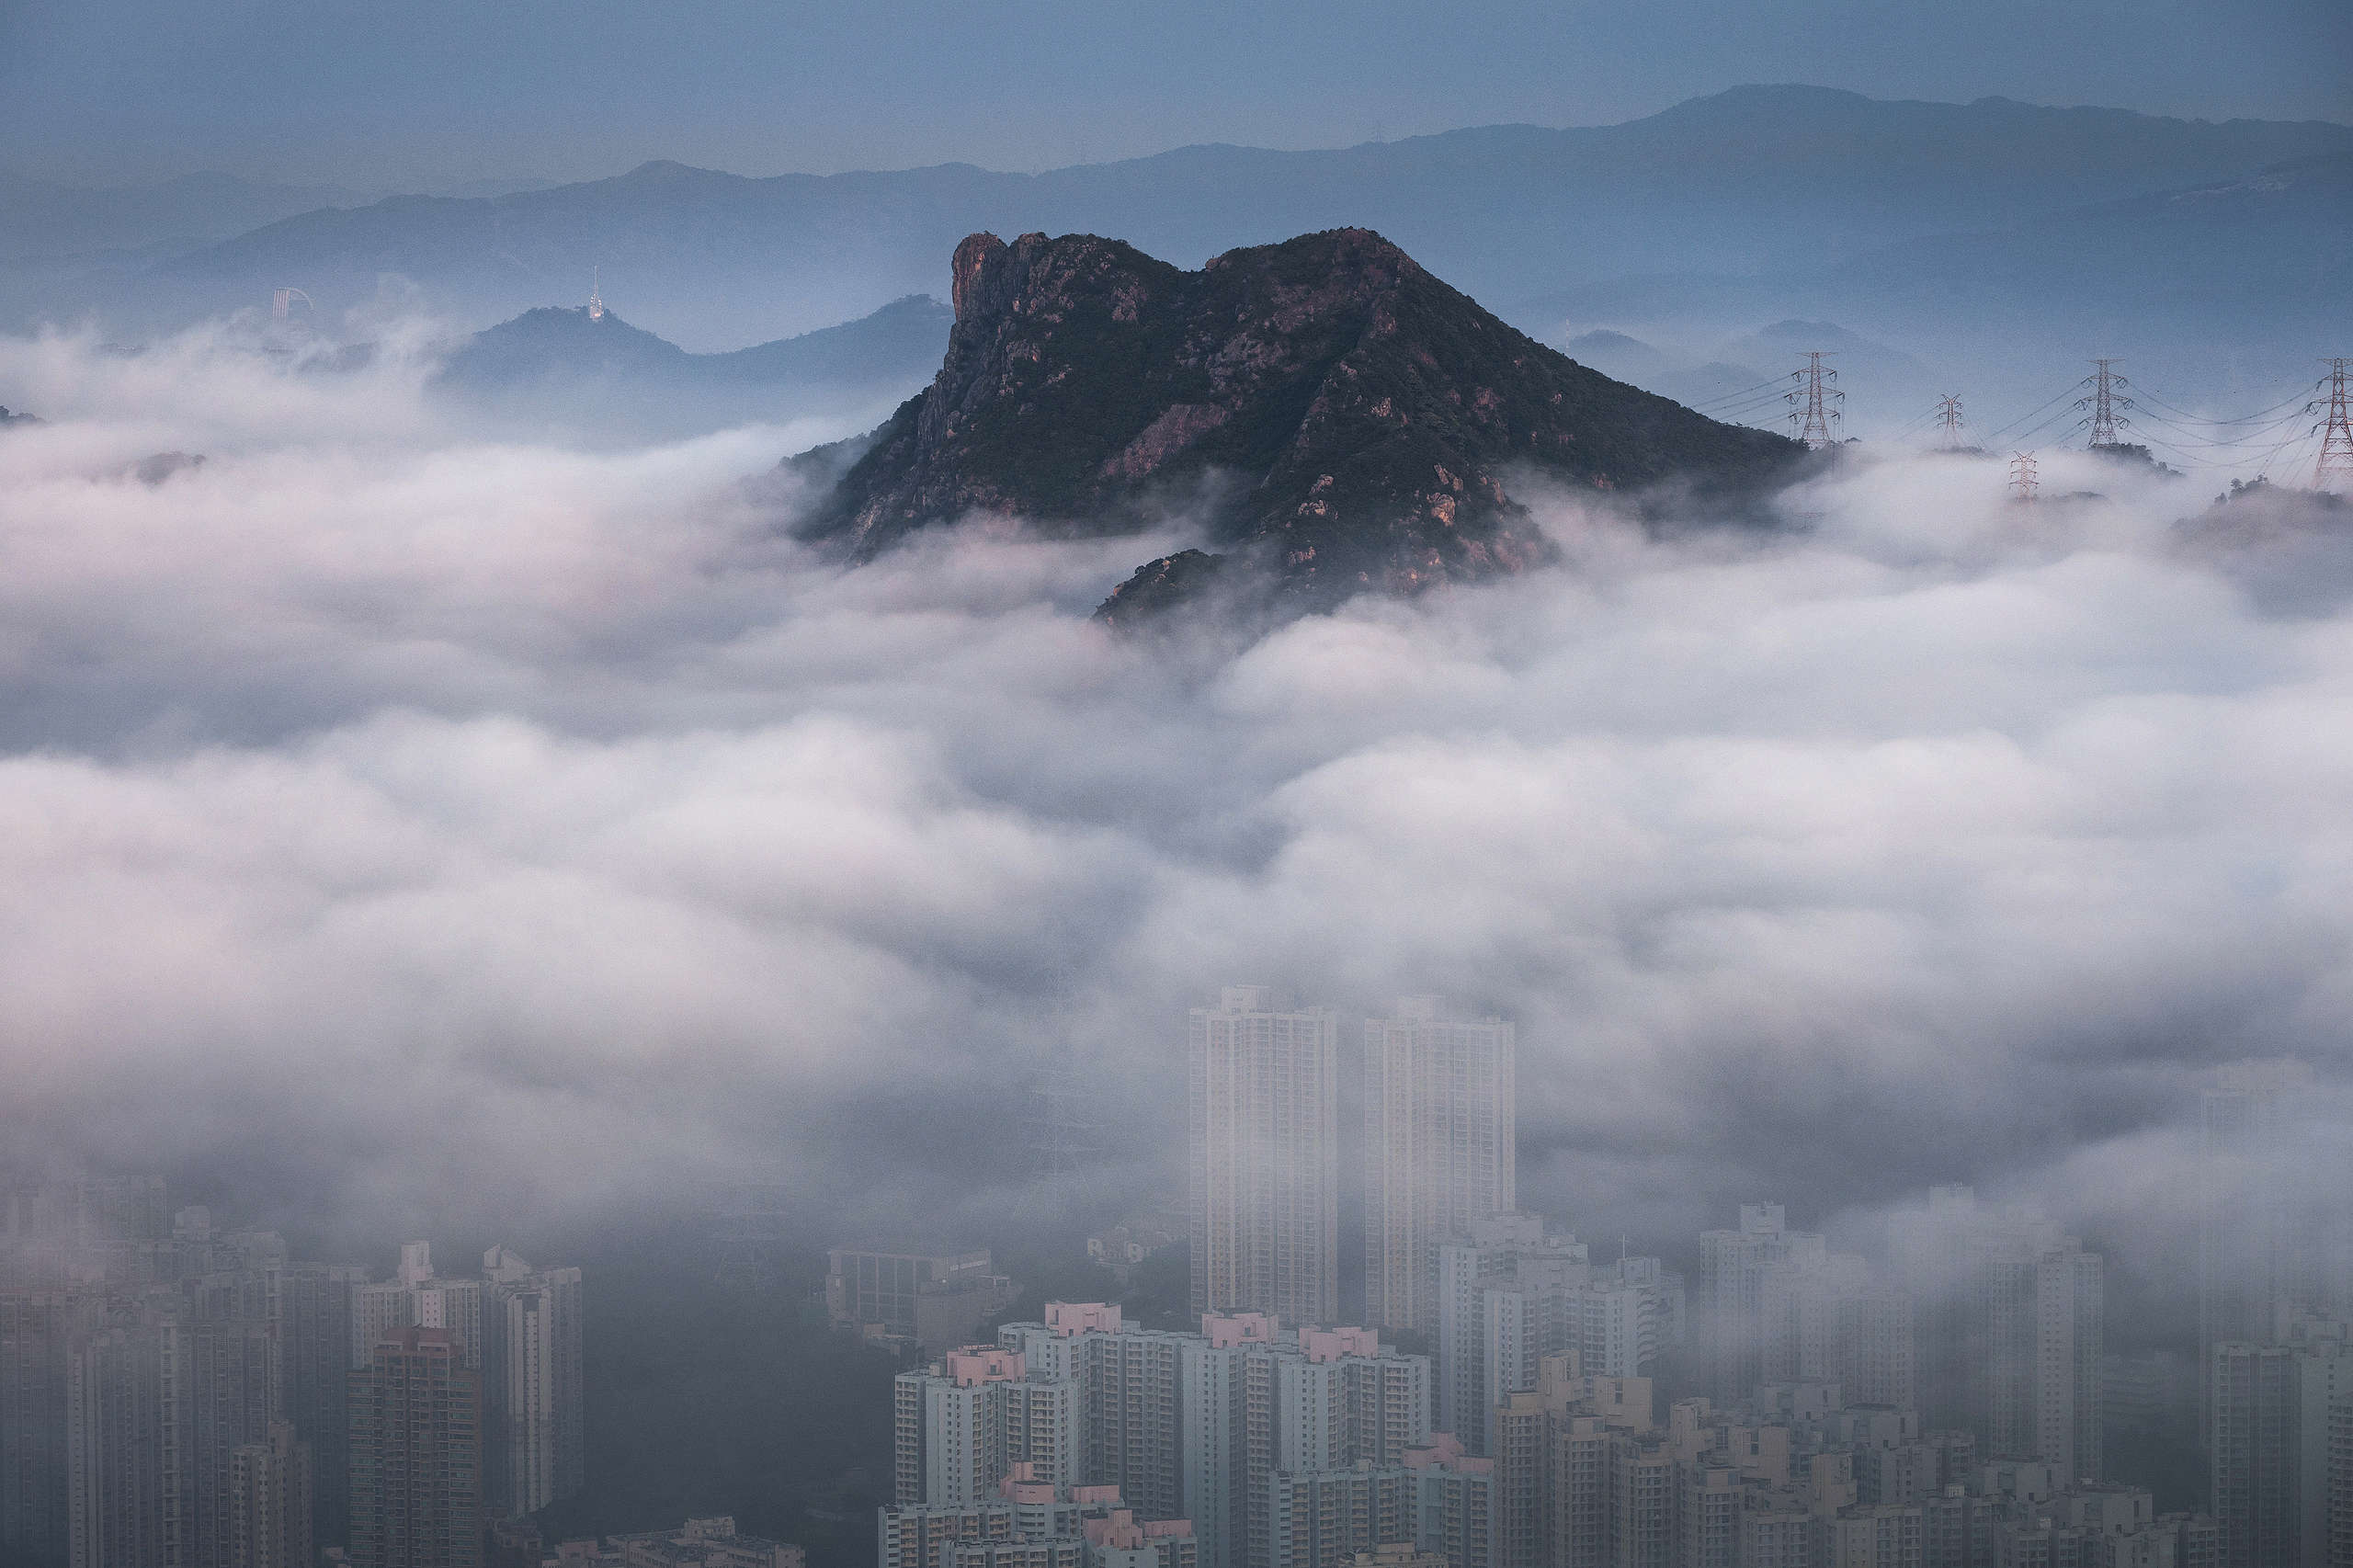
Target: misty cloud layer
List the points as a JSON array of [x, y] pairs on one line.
[[465, 832]]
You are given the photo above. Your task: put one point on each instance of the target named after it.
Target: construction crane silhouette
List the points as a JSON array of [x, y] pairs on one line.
[[1813, 403]]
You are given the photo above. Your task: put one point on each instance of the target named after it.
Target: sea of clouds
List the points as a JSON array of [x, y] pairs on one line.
[[417, 831]]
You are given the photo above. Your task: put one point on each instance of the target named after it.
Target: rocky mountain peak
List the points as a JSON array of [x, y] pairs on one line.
[[1324, 406]]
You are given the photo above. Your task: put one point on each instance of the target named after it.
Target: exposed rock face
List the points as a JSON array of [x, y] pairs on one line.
[[1159, 587], [1345, 420]]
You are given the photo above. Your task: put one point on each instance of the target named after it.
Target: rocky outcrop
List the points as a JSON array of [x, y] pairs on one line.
[[1336, 416], [1159, 587]]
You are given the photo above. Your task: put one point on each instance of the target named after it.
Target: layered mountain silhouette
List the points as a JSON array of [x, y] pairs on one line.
[[568, 365], [1344, 420], [1733, 184]]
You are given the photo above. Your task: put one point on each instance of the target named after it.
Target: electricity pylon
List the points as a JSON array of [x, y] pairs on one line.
[[1949, 415], [2023, 483], [1813, 404], [2335, 466], [2105, 420]]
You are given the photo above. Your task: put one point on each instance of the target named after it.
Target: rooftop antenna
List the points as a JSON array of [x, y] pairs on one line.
[[596, 301]]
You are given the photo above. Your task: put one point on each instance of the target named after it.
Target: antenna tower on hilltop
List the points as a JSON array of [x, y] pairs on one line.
[[1949, 415], [2023, 483], [1813, 404], [2104, 403], [596, 301], [2335, 468]]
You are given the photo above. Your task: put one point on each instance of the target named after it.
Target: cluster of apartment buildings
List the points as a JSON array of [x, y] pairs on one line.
[[1941, 1410], [1250, 1445], [184, 1396]]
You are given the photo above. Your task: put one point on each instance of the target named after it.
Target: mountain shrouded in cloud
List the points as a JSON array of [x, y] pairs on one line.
[[411, 832], [1336, 415]]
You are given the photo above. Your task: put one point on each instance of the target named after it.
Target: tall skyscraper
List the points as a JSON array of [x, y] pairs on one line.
[[269, 1503], [2340, 1482], [1512, 1295], [519, 1327], [2250, 1439], [416, 1452], [2012, 1319], [233, 1395], [36, 1326], [127, 1441], [1729, 1312], [962, 1424], [535, 1439], [314, 1349], [1265, 1104], [1439, 1135], [2268, 1442], [2252, 1260]]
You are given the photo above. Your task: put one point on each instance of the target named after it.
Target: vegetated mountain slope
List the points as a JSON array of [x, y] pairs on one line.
[[1340, 416], [1733, 183]]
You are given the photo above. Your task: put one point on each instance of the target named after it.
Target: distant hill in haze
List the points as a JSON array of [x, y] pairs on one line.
[[561, 366], [2194, 286], [42, 219], [1744, 183]]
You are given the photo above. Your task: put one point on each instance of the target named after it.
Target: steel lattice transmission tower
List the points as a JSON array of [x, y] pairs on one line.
[[2105, 418], [1949, 415], [1813, 404], [2023, 482], [2334, 468]]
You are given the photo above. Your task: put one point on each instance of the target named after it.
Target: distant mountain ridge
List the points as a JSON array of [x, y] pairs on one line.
[[570, 366], [1733, 183], [568, 341], [45, 219], [1336, 415]]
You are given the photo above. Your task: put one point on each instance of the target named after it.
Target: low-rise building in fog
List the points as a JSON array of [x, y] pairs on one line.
[[934, 1299]]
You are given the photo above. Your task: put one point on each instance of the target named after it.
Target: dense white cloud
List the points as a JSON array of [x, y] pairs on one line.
[[488, 831]]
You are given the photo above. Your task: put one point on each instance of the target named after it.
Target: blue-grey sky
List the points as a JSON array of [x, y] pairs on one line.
[[434, 92]]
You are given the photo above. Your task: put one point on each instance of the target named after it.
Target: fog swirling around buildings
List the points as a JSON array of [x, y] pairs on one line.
[[421, 831]]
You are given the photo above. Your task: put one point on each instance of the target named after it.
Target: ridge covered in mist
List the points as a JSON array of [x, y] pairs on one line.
[[1743, 184], [1342, 417], [569, 368]]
